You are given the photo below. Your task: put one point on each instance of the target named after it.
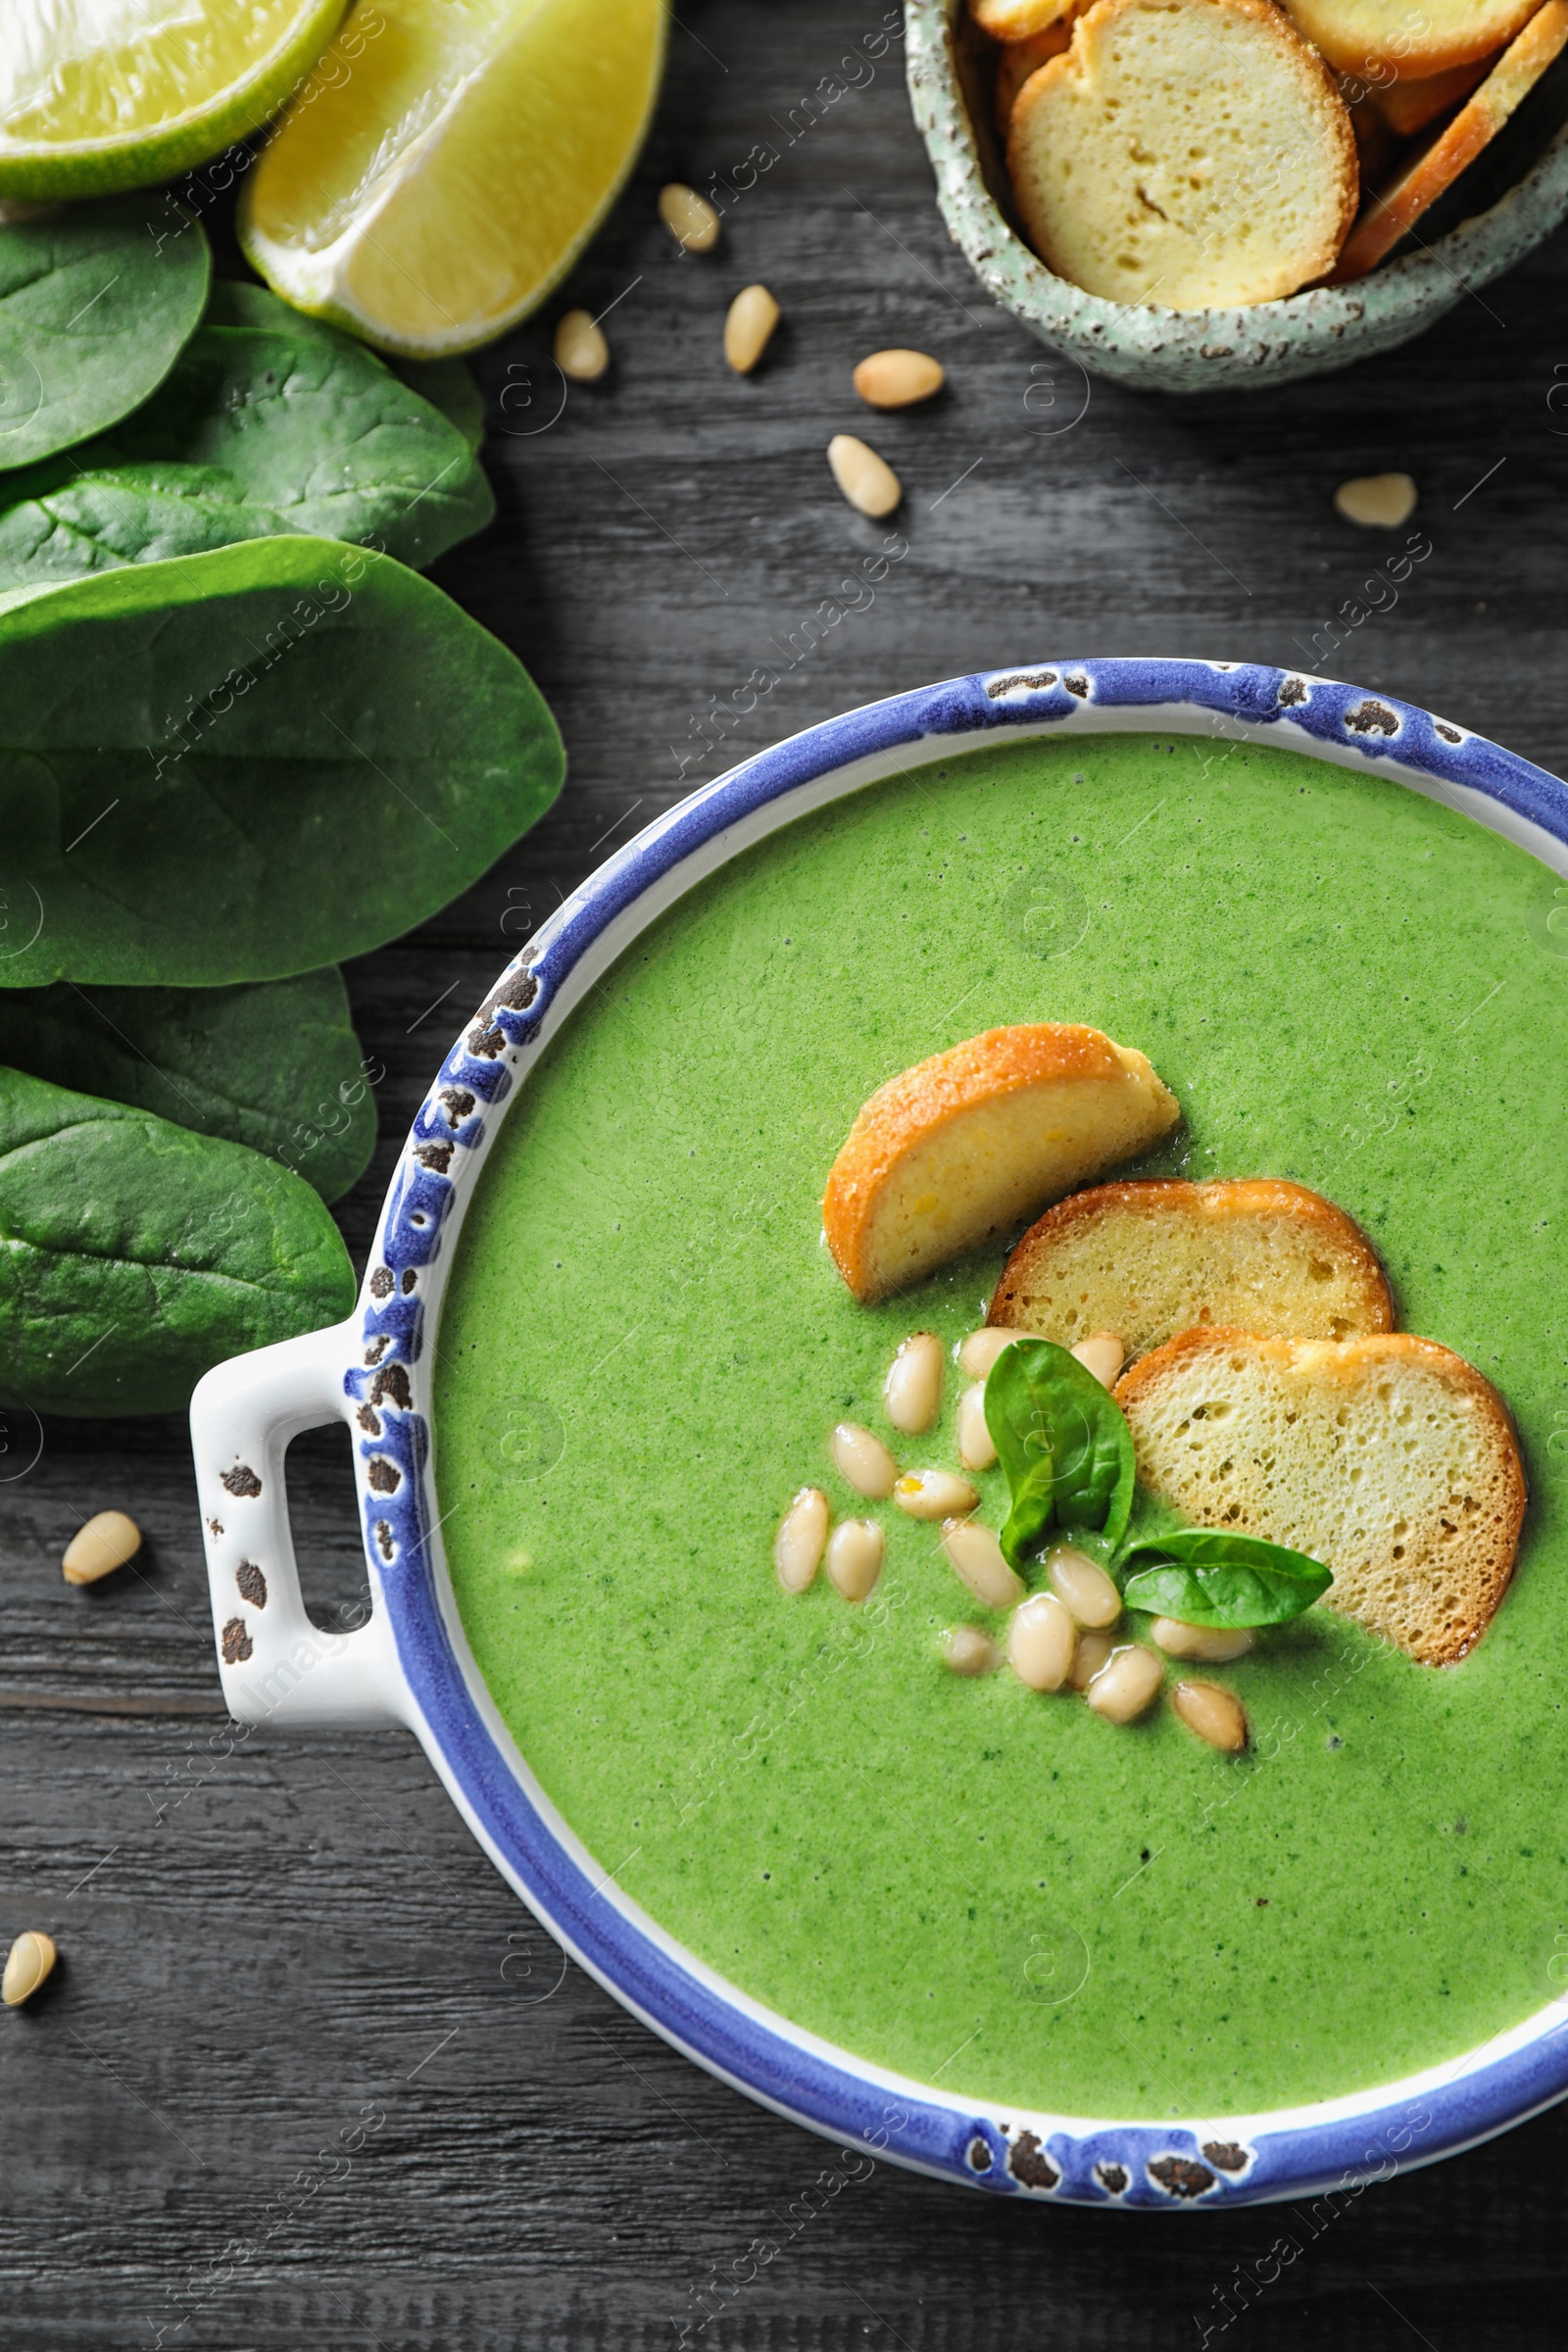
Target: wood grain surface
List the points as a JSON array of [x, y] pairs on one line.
[[308, 2074]]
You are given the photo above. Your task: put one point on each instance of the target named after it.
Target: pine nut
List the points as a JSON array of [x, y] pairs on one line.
[[864, 1460], [866, 480], [977, 1449], [855, 1551], [581, 349], [934, 1494], [1041, 1641], [1211, 1641], [1091, 1655], [895, 379], [689, 218], [981, 1348], [1214, 1713], [1378, 502], [748, 328], [1125, 1684], [977, 1556], [28, 1963], [106, 1543], [965, 1650], [1084, 1586], [913, 1390], [801, 1534], [1103, 1356]]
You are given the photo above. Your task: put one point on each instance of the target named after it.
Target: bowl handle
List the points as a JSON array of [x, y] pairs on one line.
[[277, 1665]]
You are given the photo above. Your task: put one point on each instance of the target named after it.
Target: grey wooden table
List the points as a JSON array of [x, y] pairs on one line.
[[276, 1947]]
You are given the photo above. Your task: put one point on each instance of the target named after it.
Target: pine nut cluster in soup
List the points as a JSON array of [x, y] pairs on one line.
[[961, 1790]]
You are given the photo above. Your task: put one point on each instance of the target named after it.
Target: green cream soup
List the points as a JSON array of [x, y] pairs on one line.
[[645, 1345]]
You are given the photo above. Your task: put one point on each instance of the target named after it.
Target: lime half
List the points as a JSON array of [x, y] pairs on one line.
[[435, 194], [122, 93]]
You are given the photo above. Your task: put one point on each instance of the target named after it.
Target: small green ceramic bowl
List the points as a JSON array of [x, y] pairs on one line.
[[1203, 351]]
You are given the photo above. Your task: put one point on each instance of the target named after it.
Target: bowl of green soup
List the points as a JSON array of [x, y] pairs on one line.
[[938, 1916]]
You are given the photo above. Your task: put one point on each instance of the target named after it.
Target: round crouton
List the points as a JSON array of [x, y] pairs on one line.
[[1387, 39], [1388, 1458], [1185, 153]]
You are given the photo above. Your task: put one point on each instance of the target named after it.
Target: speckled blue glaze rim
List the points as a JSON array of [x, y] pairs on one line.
[[1328, 2151]]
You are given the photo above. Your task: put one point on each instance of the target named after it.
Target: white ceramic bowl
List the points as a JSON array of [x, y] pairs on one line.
[[411, 1664]]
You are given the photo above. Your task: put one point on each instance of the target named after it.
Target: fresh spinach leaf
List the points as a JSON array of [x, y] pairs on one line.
[[261, 430], [1205, 1576], [248, 764], [135, 1255], [274, 1064], [1063, 1444], [448, 386], [93, 314]]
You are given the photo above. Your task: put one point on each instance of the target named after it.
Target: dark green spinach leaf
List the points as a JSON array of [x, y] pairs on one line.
[[261, 430], [1063, 1444], [274, 1064], [448, 386], [134, 1254], [1204, 1576], [251, 763], [92, 318]]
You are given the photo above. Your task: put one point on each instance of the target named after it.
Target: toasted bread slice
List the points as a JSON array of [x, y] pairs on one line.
[[1374, 38], [957, 1150], [1017, 60], [1376, 146], [1390, 1460], [1149, 1259], [1395, 210], [1408, 107], [1185, 153], [1019, 20]]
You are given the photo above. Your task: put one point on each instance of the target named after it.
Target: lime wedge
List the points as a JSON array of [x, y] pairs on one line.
[[434, 195], [122, 93]]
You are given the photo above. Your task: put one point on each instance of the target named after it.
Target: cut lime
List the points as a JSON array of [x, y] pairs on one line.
[[127, 92], [434, 196]]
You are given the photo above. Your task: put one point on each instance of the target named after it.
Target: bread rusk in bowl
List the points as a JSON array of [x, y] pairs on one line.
[[1388, 1458], [953, 1153], [1518, 198], [1382, 39], [1020, 20], [1155, 1256], [1130, 152], [1429, 175]]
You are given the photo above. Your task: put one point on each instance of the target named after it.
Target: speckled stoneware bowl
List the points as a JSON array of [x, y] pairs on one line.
[[1191, 351], [411, 1664]]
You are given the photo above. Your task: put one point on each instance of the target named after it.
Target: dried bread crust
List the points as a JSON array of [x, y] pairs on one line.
[[1153, 1256], [1017, 61], [1398, 208], [1185, 154], [1382, 39], [1019, 20], [1388, 1458], [956, 1151]]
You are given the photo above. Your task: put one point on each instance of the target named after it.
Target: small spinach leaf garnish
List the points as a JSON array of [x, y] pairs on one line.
[[92, 317], [1063, 1444], [251, 763], [1207, 1575], [1067, 1453], [136, 1254]]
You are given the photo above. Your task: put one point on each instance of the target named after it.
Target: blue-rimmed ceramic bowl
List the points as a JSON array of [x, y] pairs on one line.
[[411, 1664]]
